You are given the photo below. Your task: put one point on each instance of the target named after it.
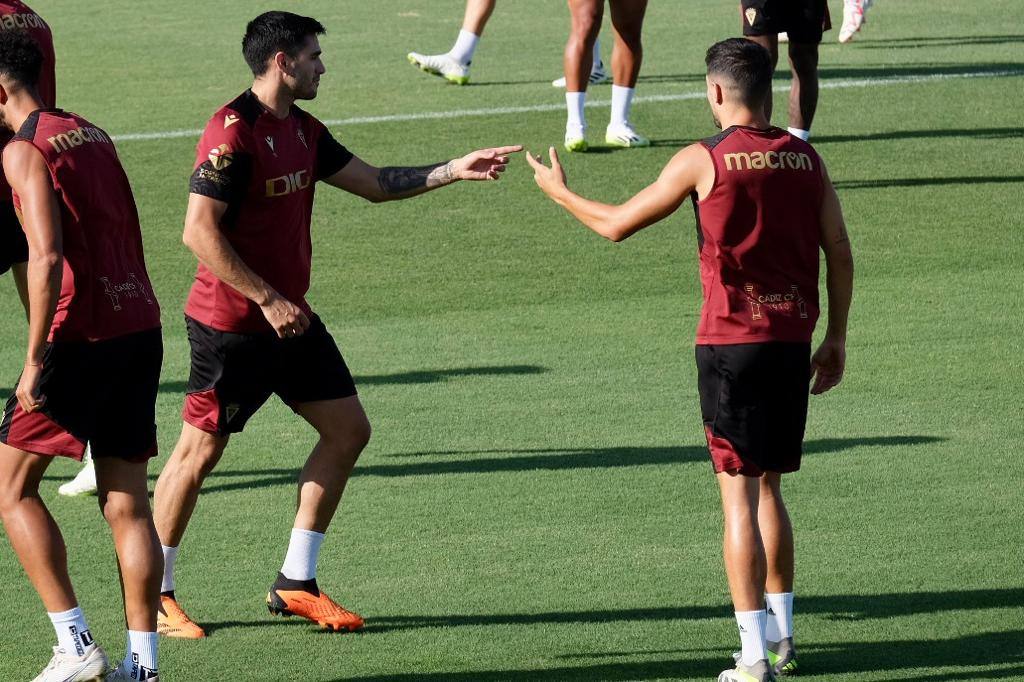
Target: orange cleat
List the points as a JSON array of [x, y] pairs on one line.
[[303, 598], [172, 621]]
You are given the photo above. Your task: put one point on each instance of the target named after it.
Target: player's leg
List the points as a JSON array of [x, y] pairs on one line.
[[627, 56], [124, 501], [39, 546], [769, 42], [761, 25], [598, 75], [777, 535], [585, 25], [344, 431], [853, 19], [803, 94], [453, 65]]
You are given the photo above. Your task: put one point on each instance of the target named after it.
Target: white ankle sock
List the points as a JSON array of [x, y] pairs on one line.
[[798, 132], [597, 55], [622, 102], [464, 47], [574, 103], [752, 626], [170, 556], [780, 616], [303, 551], [140, 656], [73, 634]]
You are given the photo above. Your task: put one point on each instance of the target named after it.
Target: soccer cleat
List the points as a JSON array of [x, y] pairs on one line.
[[119, 674], [853, 18], [576, 139], [65, 667], [781, 657], [172, 621], [625, 137], [759, 672], [441, 65], [82, 484], [304, 599], [598, 76]]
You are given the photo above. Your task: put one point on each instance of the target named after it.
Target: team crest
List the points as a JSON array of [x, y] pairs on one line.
[[221, 157], [230, 120], [302, 139], [751, 15]]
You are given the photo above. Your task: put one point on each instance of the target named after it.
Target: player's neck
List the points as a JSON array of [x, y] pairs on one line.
[[273, 96], [20, 106], [746, 118]]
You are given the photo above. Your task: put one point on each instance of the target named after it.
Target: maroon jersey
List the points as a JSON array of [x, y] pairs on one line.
[[105, 290], [265, 169], [759, 230], [15, 15]]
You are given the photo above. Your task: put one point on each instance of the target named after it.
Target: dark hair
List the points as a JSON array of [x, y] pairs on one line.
[[273, 32], [20, 57], [746, 64]]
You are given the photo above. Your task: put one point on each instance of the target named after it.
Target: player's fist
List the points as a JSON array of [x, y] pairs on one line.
[[483, 164], [828, 365], [28, 388], [287, 319]]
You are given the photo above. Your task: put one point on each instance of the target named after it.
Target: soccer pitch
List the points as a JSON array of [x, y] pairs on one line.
[[537, 502]]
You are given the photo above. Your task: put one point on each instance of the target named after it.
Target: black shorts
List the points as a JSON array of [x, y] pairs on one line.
[[13, 245], [97, 392], [232, 374], [803, 20], [753, 400]]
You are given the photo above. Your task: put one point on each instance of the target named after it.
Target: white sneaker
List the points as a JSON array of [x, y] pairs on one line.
[[119, 674], [598, 76], [783, 37], [853, 18], [82, 484], [65, 667], [625, 136], [441, 65], [575, 139]]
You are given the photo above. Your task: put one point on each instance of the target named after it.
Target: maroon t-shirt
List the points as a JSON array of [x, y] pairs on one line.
[[105, 291], [759, 230], [265, 169], [15, 15]]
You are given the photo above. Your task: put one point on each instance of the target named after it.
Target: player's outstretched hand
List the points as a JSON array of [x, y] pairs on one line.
[[827, 365], [28, 388], [483, 164], [287, 319], [550, 180]]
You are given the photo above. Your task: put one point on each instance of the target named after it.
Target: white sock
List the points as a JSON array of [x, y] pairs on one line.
[[780, 616], [597, 55], [802, 134], [464, 47], [73, 634], [87, 457], [574, 103], [140, 656], [622, 102], [170, 556], [303, 550], [752, 626]]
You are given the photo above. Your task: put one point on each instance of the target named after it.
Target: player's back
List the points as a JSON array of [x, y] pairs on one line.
[[105, 290], [759, 231]]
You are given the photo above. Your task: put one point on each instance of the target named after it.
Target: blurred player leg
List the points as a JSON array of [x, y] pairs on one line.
[[777, 535], [771, 43], [803, 94], [598, 76], [853, 19], [453, 65], [585, 26], [85, 482], [627, 56]]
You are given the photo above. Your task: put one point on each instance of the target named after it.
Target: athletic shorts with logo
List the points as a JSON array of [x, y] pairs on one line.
[[13, 245], [753, 399], [97, 392], [233, 374], [803, 20]]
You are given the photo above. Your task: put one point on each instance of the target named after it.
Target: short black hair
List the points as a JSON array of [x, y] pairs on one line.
[[746, 64], [273, 32], [21, 60]]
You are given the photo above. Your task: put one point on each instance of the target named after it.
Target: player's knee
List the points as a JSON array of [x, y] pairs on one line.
[[122, 508], [585, 26], [348, 438], [199, 459], [804, 60]]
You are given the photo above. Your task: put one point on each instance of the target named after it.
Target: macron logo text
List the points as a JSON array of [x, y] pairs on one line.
[[77, 137]]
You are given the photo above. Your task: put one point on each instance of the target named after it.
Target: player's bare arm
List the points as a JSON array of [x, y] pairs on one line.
[[690, 169], [40, 215], [829, 361], [401, 182], [205, 239]]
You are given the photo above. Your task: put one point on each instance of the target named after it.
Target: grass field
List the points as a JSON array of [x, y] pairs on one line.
[[536, 503]]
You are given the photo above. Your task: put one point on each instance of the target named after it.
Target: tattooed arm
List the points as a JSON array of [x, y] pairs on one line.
[[398, 182]]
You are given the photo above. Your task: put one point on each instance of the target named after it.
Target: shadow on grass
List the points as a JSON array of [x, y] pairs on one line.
[[977, 133], [936, 41], [535, 459], [928, 182]]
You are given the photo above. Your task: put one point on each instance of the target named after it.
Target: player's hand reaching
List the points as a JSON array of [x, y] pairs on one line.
[[287, 319], [827, 365], [483, 164], [550, 180], [28, 388]]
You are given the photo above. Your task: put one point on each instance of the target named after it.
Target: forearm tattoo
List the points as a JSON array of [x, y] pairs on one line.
[[399, 180]]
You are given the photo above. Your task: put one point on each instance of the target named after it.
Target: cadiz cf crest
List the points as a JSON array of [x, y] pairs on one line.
[[751, 15], [221, 157]]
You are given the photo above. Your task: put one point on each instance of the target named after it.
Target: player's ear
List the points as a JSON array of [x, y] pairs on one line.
[[719, 95], [3, 94], [283, 63]]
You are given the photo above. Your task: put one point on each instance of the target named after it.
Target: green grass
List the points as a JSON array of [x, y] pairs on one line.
[[536, 503]]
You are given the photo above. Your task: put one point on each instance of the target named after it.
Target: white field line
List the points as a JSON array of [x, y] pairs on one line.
[[678, 97]]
